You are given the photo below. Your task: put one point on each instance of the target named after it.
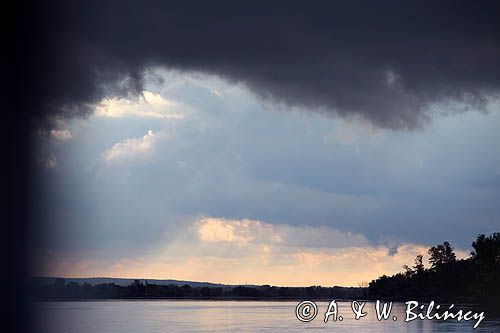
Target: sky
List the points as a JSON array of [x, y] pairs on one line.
[[199, 177], [278, 142]]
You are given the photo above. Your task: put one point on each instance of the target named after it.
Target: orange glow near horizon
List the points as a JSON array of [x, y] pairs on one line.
[[251, 252]]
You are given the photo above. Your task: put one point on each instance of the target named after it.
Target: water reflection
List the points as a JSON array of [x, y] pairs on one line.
[[217, 316]]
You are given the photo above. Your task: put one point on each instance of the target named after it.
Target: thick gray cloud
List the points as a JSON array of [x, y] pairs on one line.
[[386, 61]]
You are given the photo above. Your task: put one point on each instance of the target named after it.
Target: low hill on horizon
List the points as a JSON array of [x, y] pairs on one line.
[[47, 280], [54, 288]]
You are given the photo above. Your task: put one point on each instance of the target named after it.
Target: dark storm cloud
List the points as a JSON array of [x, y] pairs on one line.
[[384, 60]]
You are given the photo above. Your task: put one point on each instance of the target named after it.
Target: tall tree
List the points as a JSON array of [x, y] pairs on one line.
[[441, 254], [419, 265]]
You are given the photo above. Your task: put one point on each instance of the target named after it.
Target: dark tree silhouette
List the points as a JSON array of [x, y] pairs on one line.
[[441, 255], [419, 265], [487, 249], [72, 290], [474, 279]]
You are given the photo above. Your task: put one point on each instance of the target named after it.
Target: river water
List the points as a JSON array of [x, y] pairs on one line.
[[228, 316]]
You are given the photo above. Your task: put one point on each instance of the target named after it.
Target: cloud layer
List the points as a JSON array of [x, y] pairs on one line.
[[385, 61]]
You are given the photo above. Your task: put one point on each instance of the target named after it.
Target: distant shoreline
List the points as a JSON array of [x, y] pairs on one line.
[[259, 299]]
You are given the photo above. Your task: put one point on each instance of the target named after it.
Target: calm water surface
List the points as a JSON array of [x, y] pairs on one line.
[[224, 316]]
